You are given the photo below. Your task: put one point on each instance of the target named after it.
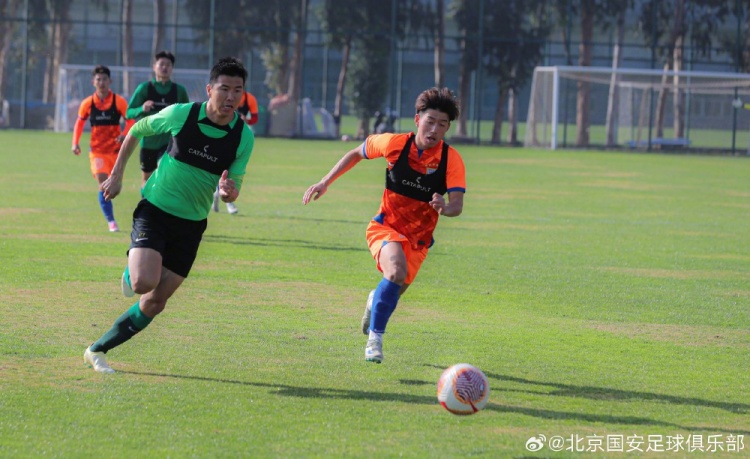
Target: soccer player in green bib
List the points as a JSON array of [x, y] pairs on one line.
[[151, 97], [210, 147]]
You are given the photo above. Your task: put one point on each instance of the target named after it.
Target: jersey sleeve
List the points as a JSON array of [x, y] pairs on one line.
[[84, 111], [378, 146], [122, 109], [239, 166], [168, 121], [182, 95], [455, 176], [137, 100]]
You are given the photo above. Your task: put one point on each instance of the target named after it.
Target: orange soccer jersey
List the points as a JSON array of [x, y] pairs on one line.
[[104, 132], [414, 219]]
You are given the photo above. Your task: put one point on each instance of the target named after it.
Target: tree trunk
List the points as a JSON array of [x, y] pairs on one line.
[[661, 102], [464, 89], [439, 43], [157, 41], [341, 84], [295, 68], [678, 100], [512, 117], [497, 127], [127, 44], [584, 89], [7, 9], [58, 32], [613, 99]]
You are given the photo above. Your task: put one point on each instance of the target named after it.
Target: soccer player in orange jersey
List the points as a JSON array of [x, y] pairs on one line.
[[103, 109], [422, 168]]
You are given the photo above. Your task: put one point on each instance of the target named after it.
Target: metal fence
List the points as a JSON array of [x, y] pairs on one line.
[[97, 35]]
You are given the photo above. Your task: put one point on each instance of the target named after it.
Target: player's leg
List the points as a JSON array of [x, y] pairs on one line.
[[392, 261], [216, 200], [101, 167], [133, 321]]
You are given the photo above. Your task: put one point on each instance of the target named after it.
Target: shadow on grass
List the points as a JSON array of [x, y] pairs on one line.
[[374, 396], [286, 243], [603, 393]]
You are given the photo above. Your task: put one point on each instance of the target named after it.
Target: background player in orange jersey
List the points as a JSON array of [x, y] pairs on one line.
[[248, 111], [103, 109], [421, 169]]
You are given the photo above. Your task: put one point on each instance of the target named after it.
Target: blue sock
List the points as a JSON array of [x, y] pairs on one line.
[[383, 304], [106, 206]]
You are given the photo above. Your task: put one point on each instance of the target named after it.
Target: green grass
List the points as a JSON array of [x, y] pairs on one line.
[[601, 293]]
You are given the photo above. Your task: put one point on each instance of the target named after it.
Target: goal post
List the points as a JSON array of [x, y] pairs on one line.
[[74, 85], [645, 108]]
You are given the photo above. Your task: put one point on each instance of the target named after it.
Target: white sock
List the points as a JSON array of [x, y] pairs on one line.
[[378, 336]]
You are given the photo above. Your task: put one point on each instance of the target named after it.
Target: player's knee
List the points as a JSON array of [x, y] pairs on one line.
[[397, 275], [142, 285]]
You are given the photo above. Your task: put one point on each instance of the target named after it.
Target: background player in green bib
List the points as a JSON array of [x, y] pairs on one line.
[[149, 98], [211, 147]]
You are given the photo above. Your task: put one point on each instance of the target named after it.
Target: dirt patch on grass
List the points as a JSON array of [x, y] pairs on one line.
[[682, 274], [624, 185], [683, 335]]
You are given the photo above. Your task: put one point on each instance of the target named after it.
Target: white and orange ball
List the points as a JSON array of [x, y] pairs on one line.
[[463, 389]]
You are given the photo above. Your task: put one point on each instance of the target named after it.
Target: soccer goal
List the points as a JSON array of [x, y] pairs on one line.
[[74, 85], [639, 108]]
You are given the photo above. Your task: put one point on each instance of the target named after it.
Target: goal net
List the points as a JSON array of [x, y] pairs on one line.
[[74, 85], [639, 108]]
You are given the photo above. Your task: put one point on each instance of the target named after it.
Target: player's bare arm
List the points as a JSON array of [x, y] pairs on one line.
[[346, 162], [452, 208]]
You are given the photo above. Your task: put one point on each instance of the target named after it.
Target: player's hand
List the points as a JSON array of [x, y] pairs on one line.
[[76, 149], [111, 187], [228, 191], [120, 138], [147, 106], [314, 192], [438, 203]]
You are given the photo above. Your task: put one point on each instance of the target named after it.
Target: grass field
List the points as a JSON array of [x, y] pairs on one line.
[[603, 294]]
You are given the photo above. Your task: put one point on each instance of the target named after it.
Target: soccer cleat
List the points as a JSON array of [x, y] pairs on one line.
[[97, 361], [374, 350], [231, 208], [113, 228], [127, 289], [216, 201], [368, 313]]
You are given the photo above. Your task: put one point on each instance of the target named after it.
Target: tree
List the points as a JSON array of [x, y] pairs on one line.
[[513, 55], [362, 30], [157, 40], [58, 32], [592, 14], [335, 16], [613, 95], [8, 9], [698, 21], [466, 16], [246, 24], [127, 43]]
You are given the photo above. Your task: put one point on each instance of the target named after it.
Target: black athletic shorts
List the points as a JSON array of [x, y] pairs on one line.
[[150, 158], [175, 238]]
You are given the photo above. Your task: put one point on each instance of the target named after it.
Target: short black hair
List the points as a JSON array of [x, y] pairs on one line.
[[101, 69], [440, 99], [229, 66], [164, 54]]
